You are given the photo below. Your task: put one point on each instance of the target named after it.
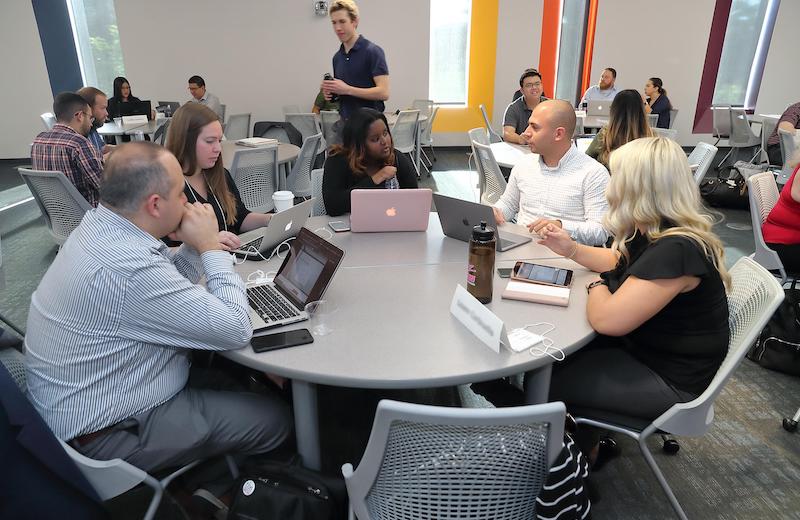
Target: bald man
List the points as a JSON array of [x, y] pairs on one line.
[[557, 184]]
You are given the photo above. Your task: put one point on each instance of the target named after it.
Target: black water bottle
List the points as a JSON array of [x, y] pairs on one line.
[[328, 77], [480, 271]]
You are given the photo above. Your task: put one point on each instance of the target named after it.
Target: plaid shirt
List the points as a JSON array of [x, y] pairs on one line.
[[64, 150]]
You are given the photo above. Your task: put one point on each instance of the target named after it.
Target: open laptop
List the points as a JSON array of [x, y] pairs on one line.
[[459, 216], [378, 210], [260, 242], [302, 278], [136, 108], [598, 108], [168, 107]]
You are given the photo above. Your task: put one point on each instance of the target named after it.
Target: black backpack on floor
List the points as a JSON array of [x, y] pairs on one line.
[[778, 346]]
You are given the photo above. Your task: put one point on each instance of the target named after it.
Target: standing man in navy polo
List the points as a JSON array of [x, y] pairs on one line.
[[361, 76]]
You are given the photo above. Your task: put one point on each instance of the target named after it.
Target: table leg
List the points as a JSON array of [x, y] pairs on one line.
[[306, 423], [537, 384], [417, 147]]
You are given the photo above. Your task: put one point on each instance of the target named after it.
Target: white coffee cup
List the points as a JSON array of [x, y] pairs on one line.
[[283, 200]]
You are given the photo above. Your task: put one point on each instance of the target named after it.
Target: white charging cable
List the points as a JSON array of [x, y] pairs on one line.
[[276, 251], [326, 230], [541, 344]]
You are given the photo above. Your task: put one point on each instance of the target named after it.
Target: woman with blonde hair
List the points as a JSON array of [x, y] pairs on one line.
[[195, 137], [659, 305], [626, 122]]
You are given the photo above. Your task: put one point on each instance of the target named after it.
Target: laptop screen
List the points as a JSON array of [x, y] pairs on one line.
[[308, 268]]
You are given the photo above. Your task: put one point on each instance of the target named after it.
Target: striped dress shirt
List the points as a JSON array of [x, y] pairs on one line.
[[62, 149], [112, 321], [573, 192]]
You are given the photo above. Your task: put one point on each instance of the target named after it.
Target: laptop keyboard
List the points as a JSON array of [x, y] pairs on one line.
[[269, 304], [256, 244]]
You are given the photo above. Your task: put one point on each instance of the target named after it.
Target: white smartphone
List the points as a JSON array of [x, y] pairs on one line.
[[339, 226]]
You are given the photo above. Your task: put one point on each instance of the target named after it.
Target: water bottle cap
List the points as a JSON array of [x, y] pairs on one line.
[[482, 232]]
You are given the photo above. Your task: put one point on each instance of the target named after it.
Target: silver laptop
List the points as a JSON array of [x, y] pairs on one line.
[[378, 211], [168, 107], [285, 224], [598, 108], [458, 217], [303, 278]]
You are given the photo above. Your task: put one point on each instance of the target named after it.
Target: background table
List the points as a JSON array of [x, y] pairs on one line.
[[393, 328], [287, 153]]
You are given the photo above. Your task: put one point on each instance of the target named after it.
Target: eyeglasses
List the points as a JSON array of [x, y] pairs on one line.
[[86, 114]]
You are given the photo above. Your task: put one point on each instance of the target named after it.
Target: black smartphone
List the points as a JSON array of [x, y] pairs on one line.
[[544, 274], [504, 272], [290, 338]]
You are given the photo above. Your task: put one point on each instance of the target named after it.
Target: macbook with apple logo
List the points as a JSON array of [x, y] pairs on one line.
[[458, 217], [285, 224], [381, 210]]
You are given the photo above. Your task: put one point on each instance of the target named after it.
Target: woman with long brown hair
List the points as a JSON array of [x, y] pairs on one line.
[[366, 159], [626, 122], [195, 137]]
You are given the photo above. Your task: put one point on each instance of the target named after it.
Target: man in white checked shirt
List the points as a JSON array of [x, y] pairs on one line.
[[113, 322], [557, 184]]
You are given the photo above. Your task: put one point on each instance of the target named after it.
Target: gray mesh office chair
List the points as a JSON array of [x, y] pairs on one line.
[[109, 478], [494, 137], [665, 132], [238, 127], [316, 193], [426, 138], [788, 150], [61, 204], [160, 135], [768, 125], [752, 301], [491, 182], [255, 173], [49, 119], [299, 179], [476, 135], [447, 463], [404, 133], [763, 194], [673, 113], [702, 156], [742, 135], [291, 109], [652, 119], [223, 109], [328, 119], [306, 123], [721, 120]]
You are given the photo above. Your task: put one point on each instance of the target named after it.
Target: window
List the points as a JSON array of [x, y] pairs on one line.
[[571, 49], [449, 59], [744, 51], [94, 26]]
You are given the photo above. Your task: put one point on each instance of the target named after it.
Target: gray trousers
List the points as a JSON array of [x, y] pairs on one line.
[[197, 423]]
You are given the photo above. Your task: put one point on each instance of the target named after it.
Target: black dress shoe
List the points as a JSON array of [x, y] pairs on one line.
[[607, 450]]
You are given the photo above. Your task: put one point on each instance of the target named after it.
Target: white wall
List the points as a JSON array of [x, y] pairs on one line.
[[24, 79], [519, 36], [257, 56]]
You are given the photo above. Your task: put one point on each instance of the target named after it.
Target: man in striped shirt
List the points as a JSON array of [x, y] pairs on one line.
[[114, 320], [556, 184], [65, 148]]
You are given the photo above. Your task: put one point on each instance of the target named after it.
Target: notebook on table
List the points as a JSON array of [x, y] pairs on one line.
[[285, 224], [255, 142], [459, 216], [537, 293], [303, 277], [380, 210]]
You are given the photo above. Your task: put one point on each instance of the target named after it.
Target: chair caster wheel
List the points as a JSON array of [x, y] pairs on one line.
[[671, 446], [789, 425]]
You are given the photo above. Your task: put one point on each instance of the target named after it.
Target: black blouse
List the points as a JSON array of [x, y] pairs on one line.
[[687, 340], [338, 181], [661, 106], [241, 210], [115, 105]]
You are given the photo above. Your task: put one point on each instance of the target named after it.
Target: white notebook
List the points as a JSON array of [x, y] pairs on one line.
[[536, 292], [255, 142]]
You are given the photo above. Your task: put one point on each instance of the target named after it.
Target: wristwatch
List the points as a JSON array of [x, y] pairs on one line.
[[595, 284]]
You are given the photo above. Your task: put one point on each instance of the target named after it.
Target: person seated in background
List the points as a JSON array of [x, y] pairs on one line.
[[195, 137], [517, 114], [657, 102], [659, 305], [122, 94], [365, 159], [626, 122], [604, 90], [320, 104], [99, 103], [557, 184], [116, 316], [782, 228], [789, 121], [65, 148], [197, 88]]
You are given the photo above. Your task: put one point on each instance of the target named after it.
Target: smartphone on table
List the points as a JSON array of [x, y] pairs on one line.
[[339, 226], [542, 274], [277, 340]]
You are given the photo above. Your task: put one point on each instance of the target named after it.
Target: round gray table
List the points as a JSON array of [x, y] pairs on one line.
[[393, 327]]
